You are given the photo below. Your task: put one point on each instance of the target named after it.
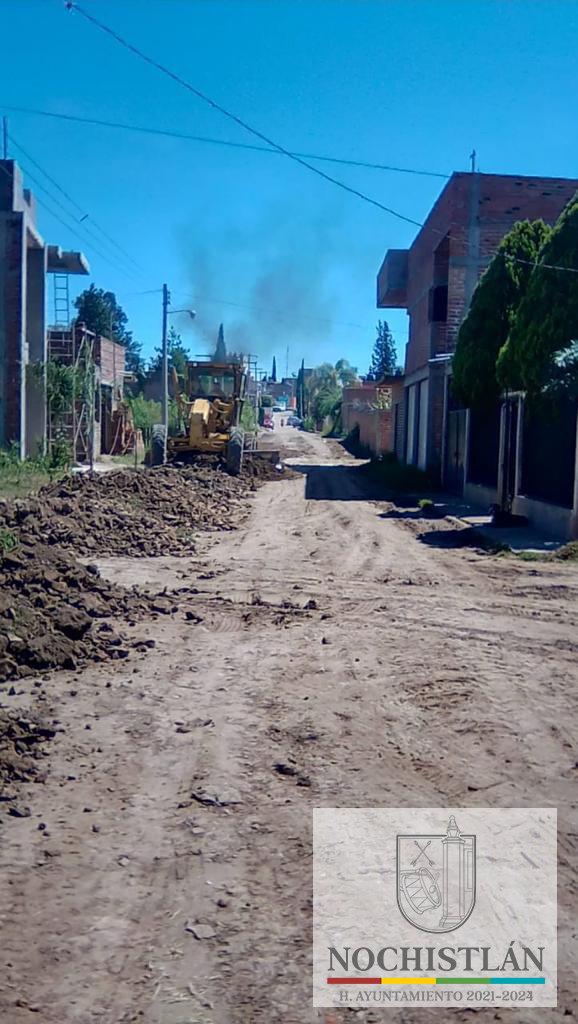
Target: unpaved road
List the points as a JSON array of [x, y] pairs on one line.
[[424, 676]]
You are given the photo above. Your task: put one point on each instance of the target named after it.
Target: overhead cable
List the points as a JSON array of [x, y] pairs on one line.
[[237, 120], [172, 134], [85, 216]]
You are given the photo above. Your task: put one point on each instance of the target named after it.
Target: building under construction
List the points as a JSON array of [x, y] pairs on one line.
[[96, 419], [25, 260]]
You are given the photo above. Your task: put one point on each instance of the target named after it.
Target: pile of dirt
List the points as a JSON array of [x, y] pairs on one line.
[[49, 611], [153, 512], [53, 610], [263, 470], [22, 739]]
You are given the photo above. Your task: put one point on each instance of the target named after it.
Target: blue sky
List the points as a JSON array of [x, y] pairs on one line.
[[416, 84]]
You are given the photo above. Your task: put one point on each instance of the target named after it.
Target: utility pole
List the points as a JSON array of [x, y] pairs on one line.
[[5, 137], [165, 389], [473, 160], [301, 390]]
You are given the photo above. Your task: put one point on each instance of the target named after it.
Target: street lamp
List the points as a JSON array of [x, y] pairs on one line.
[[165, 392]]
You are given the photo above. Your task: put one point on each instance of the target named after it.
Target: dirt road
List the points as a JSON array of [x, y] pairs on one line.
[[339, 661]]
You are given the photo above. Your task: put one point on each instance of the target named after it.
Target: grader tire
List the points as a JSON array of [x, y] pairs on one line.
[[158, 446], [235, 452]]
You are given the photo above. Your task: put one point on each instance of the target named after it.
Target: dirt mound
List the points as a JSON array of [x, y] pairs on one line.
[[153, 512], [262, 470], [49, 607], [50, 604], [22, 738]]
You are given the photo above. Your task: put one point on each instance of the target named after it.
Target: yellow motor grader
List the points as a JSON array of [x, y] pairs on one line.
[[209, 412]]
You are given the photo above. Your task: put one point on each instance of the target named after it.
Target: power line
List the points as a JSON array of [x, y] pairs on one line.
[[71, 5], [73, 202], [88, 241], [199, 299], [68, 226], [171, 134], [548, 266]]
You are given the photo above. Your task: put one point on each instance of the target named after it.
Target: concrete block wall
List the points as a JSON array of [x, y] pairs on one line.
[[436, 412], [110, 356], [23, 266], [361, 408], [399, 426], [353, 399], [376, 430], [13, 353]]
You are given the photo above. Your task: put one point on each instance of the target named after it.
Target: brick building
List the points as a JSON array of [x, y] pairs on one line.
[[434, 280], [25, 260], [91, 431], [369, 406], [280, 390]]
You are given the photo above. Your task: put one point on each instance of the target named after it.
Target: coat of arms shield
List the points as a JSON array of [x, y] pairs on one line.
[[436, 878]]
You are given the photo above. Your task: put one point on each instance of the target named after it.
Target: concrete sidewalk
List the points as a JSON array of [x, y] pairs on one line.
[[518, 538]]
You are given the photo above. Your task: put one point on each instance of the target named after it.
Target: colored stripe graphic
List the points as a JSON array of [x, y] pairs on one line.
[[507, 980]]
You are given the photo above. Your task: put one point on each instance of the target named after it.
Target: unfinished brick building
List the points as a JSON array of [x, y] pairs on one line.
[[98, 427], [25, 260], [434, 280]]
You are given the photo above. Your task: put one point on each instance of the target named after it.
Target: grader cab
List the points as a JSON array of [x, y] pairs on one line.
[[209, 410]]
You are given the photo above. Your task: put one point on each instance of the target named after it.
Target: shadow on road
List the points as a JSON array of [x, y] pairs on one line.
[[340, 483], [468, 537], [356, 483], [405, 508]]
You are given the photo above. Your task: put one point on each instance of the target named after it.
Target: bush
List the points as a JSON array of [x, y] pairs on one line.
[[248, 418], [24, 476], [8, 541], [10, 457], [60, 454], [309, 424], [145, 414]]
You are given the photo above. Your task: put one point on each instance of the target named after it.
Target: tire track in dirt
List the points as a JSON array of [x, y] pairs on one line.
[[419, 679]]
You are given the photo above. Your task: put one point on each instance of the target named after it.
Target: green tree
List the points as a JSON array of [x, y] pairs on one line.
[[145, 414], [101, 313], [493, 308], [178, 354], [346, 372], [384, 356], [274, 370], [323, 391], [543, 342]]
